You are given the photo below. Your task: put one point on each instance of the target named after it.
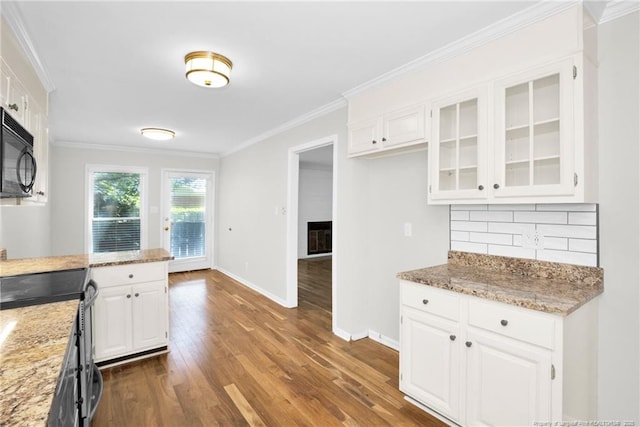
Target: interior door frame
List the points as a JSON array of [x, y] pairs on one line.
[[187, 265], [293, 180]]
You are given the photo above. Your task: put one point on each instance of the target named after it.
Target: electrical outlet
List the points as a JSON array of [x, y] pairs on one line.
[[533, 240]]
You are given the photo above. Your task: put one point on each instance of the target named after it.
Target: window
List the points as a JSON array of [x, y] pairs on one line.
[[117, 202]]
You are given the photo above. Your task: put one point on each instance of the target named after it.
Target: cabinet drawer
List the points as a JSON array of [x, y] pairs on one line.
[[129, 273], [522, 324], [431, 300]]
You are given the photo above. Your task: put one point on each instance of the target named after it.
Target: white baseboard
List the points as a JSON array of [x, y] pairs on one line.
[[384, 340], [316, 256], [431, 412], [255, 287], [342, 334], [359, 335]]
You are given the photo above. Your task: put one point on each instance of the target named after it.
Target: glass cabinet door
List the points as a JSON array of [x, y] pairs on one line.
[[533, 132], [457, 148]]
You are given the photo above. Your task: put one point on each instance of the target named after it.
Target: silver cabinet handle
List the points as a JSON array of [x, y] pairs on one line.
[[13, 107], [504, 322], [468, 343], [452, 337], [425, 301], [131, 276], [137, 295], [128, 295]]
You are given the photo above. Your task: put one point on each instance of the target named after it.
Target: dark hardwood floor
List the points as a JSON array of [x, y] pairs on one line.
[[237, 358]]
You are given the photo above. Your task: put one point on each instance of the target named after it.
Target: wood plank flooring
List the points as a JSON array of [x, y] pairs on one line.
[[237, 358]]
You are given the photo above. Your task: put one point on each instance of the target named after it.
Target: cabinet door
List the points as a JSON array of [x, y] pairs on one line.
[[458, 148], [534, 153], [112, 320], [508, 383], [364, 136], [404, 126], [17, 102], [430, 361], [149, 315]]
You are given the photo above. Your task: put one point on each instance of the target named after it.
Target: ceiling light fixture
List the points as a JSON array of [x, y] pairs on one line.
[[208, 69], [158, 134]]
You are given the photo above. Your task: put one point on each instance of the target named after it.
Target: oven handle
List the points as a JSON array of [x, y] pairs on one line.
[[93, 285]]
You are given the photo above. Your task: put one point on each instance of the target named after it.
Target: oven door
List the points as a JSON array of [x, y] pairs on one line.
[[18, 166], [90, 377]]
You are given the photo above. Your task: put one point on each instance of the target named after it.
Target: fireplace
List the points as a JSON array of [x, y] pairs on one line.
[[318, 237]]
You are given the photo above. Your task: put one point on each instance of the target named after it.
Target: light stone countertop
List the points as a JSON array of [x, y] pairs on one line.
[[538, 285], [32, 352], [34, 341]]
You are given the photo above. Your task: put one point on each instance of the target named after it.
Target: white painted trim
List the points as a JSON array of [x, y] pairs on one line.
[[431, 412], [359, 335], [384, 340], [618, 9], [316, 255], [314, 114], [106, 147], [342, 334], [492, 32], [292, 223], [13, 18], [254, 287]]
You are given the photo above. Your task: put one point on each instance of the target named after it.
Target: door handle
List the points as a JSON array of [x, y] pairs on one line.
[[166, 229]]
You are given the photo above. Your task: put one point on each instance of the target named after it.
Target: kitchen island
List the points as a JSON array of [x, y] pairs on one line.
[[33, 339]]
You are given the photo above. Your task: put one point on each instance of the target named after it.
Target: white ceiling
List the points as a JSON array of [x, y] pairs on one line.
[[119, 66]]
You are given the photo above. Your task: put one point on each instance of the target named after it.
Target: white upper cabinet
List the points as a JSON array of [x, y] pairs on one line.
[[401, 128], [534, 133], [458, 146]]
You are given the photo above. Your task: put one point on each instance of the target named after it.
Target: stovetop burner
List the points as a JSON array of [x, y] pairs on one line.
[[41, 288]]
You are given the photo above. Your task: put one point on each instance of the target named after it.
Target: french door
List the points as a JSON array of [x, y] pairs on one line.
[[188, 219]]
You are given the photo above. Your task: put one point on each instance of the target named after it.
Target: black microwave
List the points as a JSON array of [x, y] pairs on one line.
[[18, 166]]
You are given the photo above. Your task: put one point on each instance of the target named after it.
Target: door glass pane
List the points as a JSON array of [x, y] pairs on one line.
[[188, 216]]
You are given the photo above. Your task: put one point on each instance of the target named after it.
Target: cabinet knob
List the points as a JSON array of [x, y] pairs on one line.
[[480, 187], [425, 301], [40, 193], [128, 295], [13, 107], [131, 276], [137, 295], [167, 229], [496, 186], [384, 139], [468, 343], [374, 142], [504, 322], [452, 337]]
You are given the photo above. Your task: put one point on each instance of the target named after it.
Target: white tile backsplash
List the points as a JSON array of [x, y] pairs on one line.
[[566, 233]]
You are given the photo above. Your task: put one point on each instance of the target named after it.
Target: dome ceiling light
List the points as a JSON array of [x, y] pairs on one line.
[[158, 134], [208, 69]]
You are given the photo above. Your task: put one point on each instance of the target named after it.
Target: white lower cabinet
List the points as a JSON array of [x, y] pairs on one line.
[[484, 363], [131, 311]]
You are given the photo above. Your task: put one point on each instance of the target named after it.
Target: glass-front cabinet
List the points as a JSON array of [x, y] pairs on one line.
[[458, 146], [534, 133]]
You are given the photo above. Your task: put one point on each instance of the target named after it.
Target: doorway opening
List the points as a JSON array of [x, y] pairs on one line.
[[311, 226]]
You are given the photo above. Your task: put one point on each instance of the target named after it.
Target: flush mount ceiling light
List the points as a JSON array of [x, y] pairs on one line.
[[158, 134], [208, 69]]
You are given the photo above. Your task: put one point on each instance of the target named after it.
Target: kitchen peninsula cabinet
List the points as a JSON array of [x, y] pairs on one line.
[[131, 312]]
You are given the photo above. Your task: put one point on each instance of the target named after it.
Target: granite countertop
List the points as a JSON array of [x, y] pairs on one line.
[[544, 286], [33, 341], [67, 262]]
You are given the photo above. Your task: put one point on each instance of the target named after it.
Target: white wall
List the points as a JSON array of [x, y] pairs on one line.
[[374, 199], [67, 189], [314, 200], [619, 154]]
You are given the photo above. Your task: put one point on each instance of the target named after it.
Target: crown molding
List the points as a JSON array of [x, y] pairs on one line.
[[13, 18], [492, 32], [106, 147], [618, 8], [318, 112]]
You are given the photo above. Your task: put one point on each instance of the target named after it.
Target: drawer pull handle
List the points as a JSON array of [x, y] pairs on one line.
[[131, 276], [452, 337], [425, 301], [128, 295], [504, 322], [468, 343]]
